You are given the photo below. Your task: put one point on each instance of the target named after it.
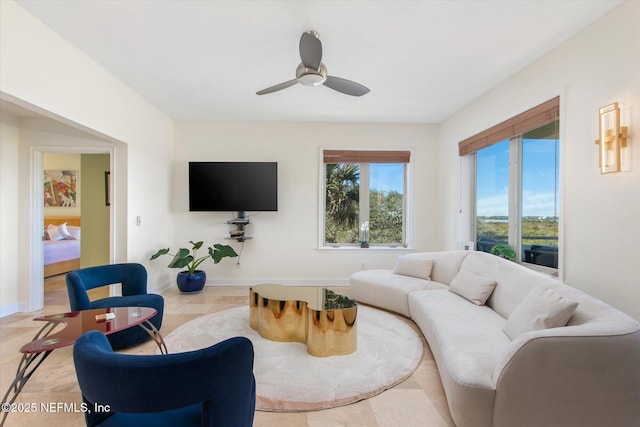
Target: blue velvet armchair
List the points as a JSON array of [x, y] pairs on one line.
[[134, 294], [213, 386]]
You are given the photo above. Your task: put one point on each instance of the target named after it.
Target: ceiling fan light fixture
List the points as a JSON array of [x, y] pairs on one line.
[[311, 77]]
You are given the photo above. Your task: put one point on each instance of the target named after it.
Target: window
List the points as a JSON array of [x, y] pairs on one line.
[[364, 197], [516, 187], [540, 196], [492, 196]]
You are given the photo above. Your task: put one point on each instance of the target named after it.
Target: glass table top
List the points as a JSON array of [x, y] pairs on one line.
[[76, 323], [317, 297]]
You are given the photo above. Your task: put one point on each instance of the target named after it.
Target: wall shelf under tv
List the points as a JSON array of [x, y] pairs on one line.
[[238, 233]]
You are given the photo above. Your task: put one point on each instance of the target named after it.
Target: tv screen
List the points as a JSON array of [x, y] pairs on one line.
[[233, 186]]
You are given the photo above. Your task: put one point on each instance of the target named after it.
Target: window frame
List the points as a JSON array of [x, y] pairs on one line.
[[513, 129], [514, 237], [407, 227]]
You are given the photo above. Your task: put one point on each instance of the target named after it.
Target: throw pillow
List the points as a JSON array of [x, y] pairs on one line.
[[472, 287], [414, 267], [542, 308]]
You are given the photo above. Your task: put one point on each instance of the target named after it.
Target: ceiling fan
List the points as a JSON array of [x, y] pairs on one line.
[[312, 72]]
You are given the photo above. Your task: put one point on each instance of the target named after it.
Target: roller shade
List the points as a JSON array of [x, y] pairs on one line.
[[540, 115], [365, 156]]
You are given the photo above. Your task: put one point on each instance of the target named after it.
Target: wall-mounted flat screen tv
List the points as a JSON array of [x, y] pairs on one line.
[[233, 186]]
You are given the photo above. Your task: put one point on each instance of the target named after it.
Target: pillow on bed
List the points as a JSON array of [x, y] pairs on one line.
[[53, 233], [58, 232], [74, 232]]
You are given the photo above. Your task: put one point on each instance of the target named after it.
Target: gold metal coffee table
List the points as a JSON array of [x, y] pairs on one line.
[[317, 316]]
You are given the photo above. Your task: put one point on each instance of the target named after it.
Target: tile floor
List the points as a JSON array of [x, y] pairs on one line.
[[419, 401]]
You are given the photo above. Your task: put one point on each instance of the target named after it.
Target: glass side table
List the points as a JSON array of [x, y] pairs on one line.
[[75, 323]]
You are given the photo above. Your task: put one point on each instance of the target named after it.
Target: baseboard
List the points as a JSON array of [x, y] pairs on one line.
[[282, 281], [8, 310], [160, 288]]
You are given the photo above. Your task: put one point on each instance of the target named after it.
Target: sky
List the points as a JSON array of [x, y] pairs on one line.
[[539, 179], [387, 176]]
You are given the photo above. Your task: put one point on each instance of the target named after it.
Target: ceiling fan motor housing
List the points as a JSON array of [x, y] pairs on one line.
[[310, 76]]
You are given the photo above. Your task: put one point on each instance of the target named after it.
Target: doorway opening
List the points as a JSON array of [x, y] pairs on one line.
[[29, 132], [76, 218]]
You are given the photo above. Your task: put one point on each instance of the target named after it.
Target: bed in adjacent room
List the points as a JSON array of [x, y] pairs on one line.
[[61, 244]]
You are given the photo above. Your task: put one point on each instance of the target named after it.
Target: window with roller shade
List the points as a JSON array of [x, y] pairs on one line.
[[364, 197], [517, 186]]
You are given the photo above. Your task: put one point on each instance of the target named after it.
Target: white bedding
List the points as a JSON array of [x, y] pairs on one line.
[[60, 250]]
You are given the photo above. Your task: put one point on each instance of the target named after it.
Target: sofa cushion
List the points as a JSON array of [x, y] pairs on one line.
[[467, 342], [445, 264], [414, 267], [472, 287], [383, 288], [542, 308], [469, 337], [514, 281]]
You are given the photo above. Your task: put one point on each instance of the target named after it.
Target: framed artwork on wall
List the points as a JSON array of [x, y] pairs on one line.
[[60, 188]]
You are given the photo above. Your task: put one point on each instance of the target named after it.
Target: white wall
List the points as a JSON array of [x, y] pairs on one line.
[[285, 243], [600, 213], [43, 72], [9, 148]]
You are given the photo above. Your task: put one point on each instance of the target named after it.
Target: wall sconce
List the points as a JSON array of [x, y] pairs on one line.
[[613, 138]]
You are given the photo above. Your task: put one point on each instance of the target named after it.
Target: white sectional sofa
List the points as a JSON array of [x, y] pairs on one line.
[[528, 356]]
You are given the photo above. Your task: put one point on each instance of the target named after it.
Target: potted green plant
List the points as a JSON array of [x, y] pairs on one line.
[[504, 251], [192, 280]]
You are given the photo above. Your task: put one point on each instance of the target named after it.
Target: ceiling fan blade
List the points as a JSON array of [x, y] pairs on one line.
[[346, 86], [310, 51], [277, 87]]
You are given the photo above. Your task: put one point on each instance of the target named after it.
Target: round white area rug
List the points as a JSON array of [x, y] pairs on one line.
[[289, 379]]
